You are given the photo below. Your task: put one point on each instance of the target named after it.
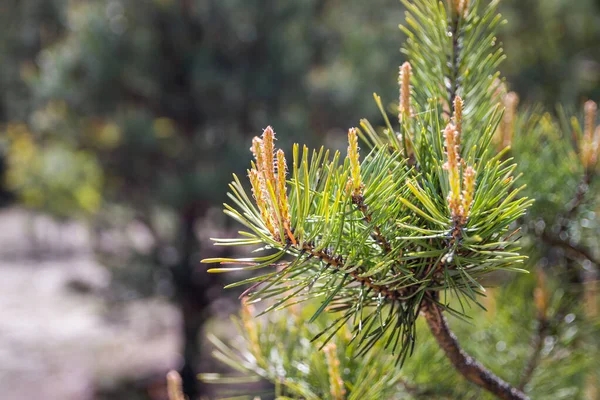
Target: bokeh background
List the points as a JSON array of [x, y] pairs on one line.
[[121, 123]]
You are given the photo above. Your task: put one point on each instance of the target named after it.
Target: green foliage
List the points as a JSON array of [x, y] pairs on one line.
[[293, 365], [455, 56], [370, 243], [26, 28], [375, 252], [160, 97], [502, 340], [562, 227], [554, 50], [555, 171], [276, 348], [54, 178]]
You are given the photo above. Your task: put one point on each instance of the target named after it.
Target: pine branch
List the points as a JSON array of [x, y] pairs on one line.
[[443, 224], [578, 199], [574, 205], [368, 217], [576, 250], [537, 345], [470, 368], [337, 262]]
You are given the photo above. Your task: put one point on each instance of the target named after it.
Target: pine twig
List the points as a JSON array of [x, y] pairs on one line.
[[580, 251], [578, 200], [574, 206], [470, 368], [385, 245], [537, 344], [358, 201], [337, 262]]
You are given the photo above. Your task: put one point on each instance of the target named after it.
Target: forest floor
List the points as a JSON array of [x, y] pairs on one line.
[[60, 336]]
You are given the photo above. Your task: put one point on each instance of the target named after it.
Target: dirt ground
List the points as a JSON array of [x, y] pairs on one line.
[[60, 338]]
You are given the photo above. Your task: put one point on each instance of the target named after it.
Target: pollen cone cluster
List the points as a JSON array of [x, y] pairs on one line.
[[460, 197], [458, 114], [249, 323], [336, 383], [267, 177], [355, 182], [507, 125], [404, 107], [404, 80]]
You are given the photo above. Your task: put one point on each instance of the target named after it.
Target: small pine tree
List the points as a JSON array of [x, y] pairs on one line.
[[408, 232]]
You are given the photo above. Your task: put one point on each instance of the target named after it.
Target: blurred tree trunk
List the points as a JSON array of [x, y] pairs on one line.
[[191, 297]]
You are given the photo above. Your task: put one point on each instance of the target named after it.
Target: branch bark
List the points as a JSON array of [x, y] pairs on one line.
[[358, 201], [337, 262], [470, 368]]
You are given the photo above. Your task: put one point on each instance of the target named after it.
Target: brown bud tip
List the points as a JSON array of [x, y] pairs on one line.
[[268, 138], [268, 150], [590, 107], [589, 145], [511, 101], [541, 296], [452, 151], [590, 110], [175, 386], [268, 131], [256, 149], [458, 7]]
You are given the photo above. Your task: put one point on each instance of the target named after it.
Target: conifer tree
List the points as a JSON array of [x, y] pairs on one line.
[[388, 238]]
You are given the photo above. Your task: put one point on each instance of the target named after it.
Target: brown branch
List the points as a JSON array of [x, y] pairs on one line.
[[385, 245], [537, 344], [338, 263], [358, 200], [578, 200], [331, 260], [470, 368], [571, 212], [580, 251]]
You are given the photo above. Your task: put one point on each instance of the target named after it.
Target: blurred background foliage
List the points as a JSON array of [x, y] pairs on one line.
[[296, 370], [135, 113]]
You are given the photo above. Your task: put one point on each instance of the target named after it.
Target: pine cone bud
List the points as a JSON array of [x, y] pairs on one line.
[[404, 107]]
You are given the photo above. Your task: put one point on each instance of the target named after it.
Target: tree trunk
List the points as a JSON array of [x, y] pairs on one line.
[[191, 298]]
